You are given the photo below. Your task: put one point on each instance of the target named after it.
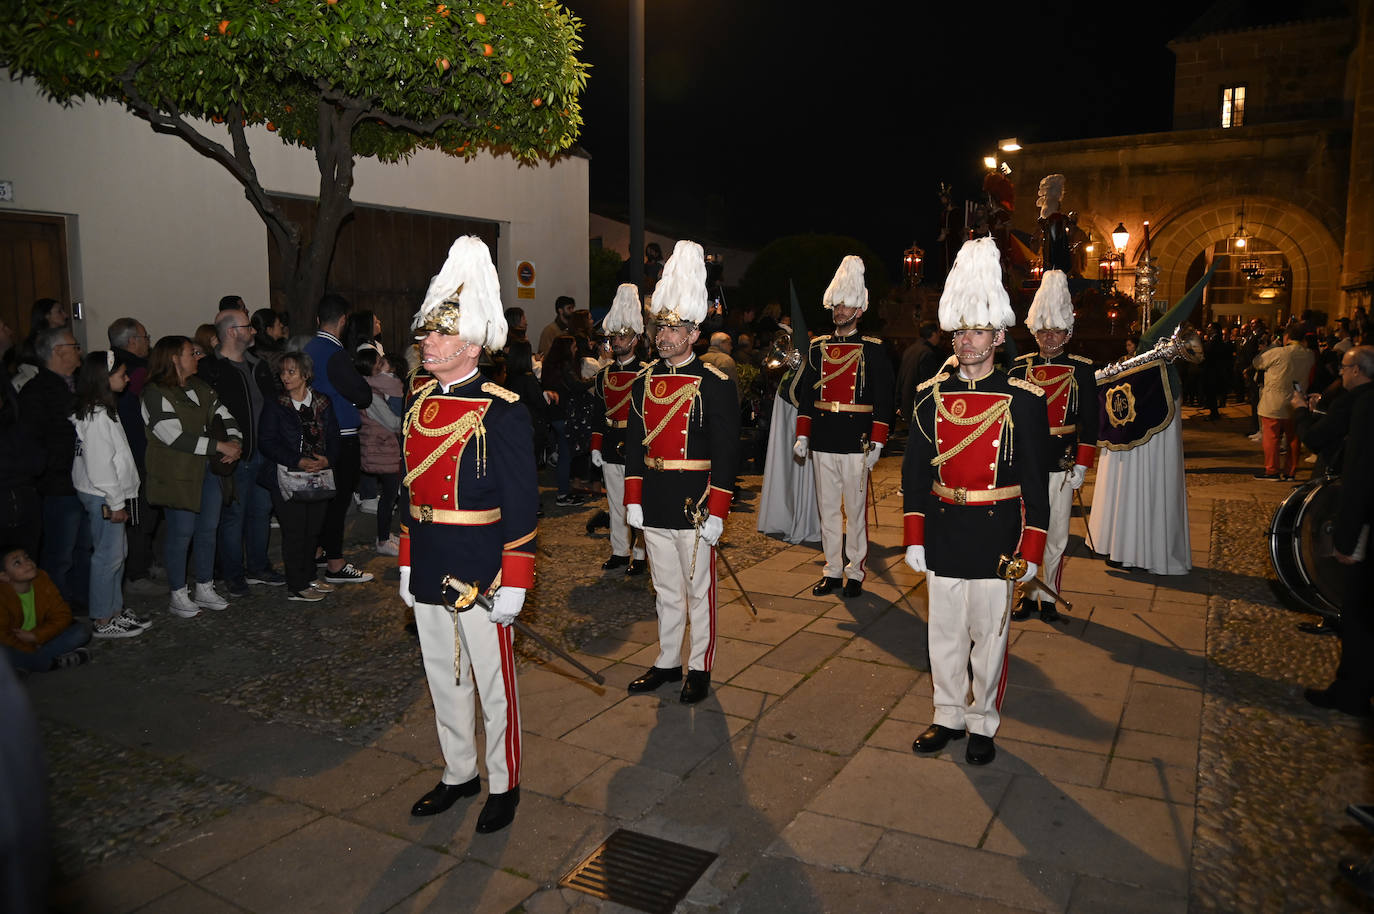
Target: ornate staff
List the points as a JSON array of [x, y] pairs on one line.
[[1011, 569], [697, 515]]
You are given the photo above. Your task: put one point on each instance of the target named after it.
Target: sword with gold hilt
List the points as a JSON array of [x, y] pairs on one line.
[[697, 514], [872, 496], [1011, 568], [468, 595]]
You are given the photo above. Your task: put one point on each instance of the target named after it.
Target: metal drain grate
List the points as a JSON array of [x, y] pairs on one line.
[[640, 871]]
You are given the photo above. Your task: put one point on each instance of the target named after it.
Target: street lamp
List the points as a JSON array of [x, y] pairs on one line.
[[1120, 237], [913, 264]]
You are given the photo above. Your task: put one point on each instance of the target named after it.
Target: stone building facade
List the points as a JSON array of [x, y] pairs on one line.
[[1272, 141]]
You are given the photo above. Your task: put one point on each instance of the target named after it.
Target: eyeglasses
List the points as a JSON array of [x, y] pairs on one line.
[[73, 345], [240, 326]]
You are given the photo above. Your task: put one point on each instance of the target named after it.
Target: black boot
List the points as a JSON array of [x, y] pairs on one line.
[[499, 811]]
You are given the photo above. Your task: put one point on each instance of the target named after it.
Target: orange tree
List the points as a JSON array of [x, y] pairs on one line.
[[344, 78]]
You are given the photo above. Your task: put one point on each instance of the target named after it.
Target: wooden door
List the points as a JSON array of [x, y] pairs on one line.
[[33, 265]]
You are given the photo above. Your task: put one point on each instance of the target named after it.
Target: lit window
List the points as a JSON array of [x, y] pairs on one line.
[[1233, 106]]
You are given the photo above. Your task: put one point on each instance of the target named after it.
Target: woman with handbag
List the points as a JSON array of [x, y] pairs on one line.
[[299, 436], [106, 481], [179, 409]]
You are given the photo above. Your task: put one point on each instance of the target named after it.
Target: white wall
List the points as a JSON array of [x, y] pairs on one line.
[[158, 232]]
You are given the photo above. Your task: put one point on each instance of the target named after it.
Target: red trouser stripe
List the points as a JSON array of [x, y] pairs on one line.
[[503, 635], [711, 605]]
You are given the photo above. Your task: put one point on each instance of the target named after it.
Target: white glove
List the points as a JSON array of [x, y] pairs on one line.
[[1031, 570], [916, 558], [407, 597], [801, 447], [634, 516], [871, 458], [506, 605], [1076, 476], [597, 461], [711, 530]]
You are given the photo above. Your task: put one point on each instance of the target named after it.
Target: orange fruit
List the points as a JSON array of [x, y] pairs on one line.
[[224, 26], [271, 126], [487, 50], [537, 102], [442, 63], [506, 77], [481, 18]]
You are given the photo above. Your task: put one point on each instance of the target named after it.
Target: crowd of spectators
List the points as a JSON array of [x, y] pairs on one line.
[[201, 444]]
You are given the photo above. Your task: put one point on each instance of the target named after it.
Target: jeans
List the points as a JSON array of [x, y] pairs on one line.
[[194, 532], [66, 546], [40, 661], [559, 427], [245, 523], [107, 560], [388, 486]]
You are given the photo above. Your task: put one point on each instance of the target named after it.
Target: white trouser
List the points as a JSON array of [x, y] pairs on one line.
[[683, 597], [964, 620], [613, 475], [842, 490], [1056, 536], [488, 664]]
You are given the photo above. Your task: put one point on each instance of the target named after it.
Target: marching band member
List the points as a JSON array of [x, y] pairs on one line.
[[1071, 399], [623, 325], [844, 413], [974, 483], [469, 469], [680, 452]]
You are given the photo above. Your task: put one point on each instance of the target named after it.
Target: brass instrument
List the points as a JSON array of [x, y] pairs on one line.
[[1185, 343], [782, 354]]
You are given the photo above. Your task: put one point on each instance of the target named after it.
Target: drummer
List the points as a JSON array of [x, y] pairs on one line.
[[1323, 431]]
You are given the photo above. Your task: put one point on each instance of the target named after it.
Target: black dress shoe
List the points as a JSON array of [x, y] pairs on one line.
[[444, 796], [1048, 612], [825, 586], [1332, 700], [935, 738], [980, 749], [1023, 610], [697, 687], [1112, 563], [654, 677], [615, 561], [599, 519], [499, 811], [1324, 627], [635, 568], [852, 588]]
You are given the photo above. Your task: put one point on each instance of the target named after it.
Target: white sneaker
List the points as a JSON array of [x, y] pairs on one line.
[[114, 627], [136, 621], [208, 598], [368, 506], [387, 547], [182, 605], [321, 586]]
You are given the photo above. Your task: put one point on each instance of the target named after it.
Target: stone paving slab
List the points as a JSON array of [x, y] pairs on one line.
[[202, 849], [924, 796], [470, 886], [351, 868], [836, 708], [115, 888], [655, 730], [190, 898], [1095, 831]]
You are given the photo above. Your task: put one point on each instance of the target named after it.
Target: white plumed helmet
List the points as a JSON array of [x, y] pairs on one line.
[[974, 297], [1051, 309], [625, 315], [464, 297], [847, 288], [680, 296]]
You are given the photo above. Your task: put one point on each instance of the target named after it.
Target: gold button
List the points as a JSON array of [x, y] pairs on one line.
[[444, 496], [448, 479]]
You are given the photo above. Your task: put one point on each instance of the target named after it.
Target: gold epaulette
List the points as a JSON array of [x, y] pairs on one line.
[[645, 366], [1080, 358], [817, 340], [932, 381], [1022, 358], [1026, 385], [872, 339], [496, 390], [715, 371]]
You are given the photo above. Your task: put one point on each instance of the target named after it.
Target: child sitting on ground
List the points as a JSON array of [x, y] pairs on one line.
[[36, 627]]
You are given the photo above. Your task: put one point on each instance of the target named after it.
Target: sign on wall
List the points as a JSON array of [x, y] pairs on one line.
[[524, 279]]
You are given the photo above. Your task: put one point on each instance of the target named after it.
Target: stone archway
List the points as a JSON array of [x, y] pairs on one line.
[[1313, 254]]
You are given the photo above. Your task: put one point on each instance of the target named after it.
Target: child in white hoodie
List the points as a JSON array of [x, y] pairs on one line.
[[106, 480]]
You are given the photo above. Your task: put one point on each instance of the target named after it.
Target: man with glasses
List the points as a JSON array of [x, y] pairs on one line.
[[242, 381], [1322, 427], [680, 450], [46, 403], [129, 340]]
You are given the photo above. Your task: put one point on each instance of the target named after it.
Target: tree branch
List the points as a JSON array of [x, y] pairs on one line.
[[367, 110]]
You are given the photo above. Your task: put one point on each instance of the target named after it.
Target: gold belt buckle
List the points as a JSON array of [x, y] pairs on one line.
[[426, 514], [961, 496], [835, 406], [658, 463]]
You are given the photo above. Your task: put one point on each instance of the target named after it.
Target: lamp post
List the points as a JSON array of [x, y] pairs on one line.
[[636, 141], [913, 265]]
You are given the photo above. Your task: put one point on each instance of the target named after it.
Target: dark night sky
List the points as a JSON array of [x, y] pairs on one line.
[[765, 119]]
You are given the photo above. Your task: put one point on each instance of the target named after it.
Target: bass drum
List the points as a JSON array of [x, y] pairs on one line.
[[1301, 550]]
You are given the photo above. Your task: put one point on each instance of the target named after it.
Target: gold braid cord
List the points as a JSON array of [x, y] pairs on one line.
[[618, 390], [842, 365], [673, 402], [1065, 383], [983, 420], [456, 430]]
